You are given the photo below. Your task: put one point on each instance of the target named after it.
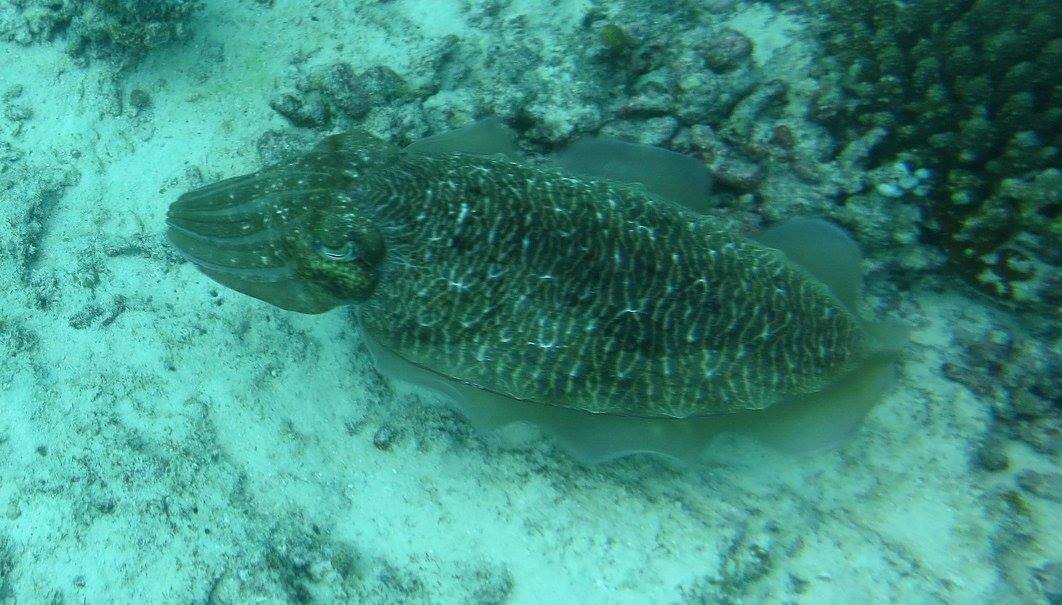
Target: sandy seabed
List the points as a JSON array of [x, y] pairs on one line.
[[165, 440]]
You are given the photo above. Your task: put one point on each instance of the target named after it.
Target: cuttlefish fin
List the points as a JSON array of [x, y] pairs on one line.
[[826, 253], [672, 176], [488, 137]]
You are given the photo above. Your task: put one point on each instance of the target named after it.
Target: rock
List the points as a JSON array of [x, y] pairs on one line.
[[728, 51], [384, 437], [311, 113]]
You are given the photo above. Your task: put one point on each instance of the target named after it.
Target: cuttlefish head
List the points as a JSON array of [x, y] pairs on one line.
[[291, 236]]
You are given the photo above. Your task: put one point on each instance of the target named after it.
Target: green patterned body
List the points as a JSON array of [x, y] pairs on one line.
[[552, 289], [590, 295]]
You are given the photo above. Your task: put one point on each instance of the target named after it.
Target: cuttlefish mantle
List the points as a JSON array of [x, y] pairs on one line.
[[603, 310]]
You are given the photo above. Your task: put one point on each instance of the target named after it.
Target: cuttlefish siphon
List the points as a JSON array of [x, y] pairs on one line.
[[606, 313]]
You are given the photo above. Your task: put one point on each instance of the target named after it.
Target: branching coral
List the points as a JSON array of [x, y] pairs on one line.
[[972, 89]]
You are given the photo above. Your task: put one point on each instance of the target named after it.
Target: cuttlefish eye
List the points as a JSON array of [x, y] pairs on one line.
[[345, 253]]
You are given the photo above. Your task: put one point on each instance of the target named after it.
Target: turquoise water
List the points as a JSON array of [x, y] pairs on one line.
[[165, 438]]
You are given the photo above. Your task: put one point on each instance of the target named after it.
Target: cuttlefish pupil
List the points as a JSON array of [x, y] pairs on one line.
[[345, 253]]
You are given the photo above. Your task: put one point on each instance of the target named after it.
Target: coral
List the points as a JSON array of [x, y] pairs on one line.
[[7, 565], [1024, 266], [337, 93], [969, 90], [27, 21], [615, 40], [120, 29], [134, 27]]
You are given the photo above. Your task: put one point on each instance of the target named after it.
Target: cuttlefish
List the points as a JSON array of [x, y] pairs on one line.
[[602, 309]]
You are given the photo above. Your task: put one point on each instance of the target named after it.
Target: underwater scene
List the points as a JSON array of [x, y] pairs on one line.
[[517, 301]]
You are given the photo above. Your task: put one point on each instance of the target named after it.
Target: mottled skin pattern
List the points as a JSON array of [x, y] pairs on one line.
[[529, 283]]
